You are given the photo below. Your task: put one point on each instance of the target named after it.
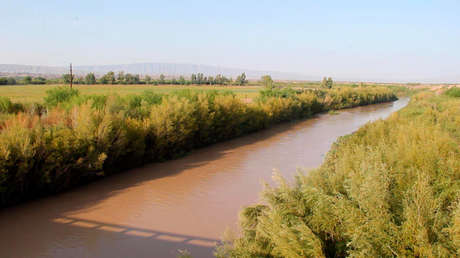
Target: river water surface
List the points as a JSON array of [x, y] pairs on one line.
[[181, 204]]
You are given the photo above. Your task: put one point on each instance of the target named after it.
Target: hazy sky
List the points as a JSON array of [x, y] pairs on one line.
[[360, 40]]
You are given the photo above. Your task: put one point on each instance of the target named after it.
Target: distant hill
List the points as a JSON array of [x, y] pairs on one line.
[[153, 69]]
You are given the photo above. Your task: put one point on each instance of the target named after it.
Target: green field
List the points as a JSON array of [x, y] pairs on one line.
[[35, 93]]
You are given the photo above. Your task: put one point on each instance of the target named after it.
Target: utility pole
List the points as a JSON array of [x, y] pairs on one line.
[[71, 76]]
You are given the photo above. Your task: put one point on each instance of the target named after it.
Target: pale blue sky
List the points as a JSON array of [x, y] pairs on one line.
[[359, 40]]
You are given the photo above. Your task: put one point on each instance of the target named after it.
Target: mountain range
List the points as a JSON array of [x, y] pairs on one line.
[[153, 69]]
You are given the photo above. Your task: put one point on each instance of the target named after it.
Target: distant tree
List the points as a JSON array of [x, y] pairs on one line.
[[109, 78], [3, 81], [148, 79], [162, 79], [90, 78], [327, 83], [132, 79], [200, 78], [221, 80], [66, 78], [181, 80], [103, 80], [121, 78], [218, 79], [27, 80], [11, 81], [39, 80], [241, 79], [79, 80], [267, 81], [324, 83], [193, 78]]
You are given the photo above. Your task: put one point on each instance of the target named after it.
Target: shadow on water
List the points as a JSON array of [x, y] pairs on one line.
[[43, 221], [161, 244]]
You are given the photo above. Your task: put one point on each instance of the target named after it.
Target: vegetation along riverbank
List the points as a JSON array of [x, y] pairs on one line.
[[72, 138], [391, 189]]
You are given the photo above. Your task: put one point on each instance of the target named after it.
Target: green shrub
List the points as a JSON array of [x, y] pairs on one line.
[[81, 138], [6, 106], [59, 95], [390, 189], [453, 92]]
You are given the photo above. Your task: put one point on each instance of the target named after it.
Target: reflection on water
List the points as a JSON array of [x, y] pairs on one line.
[[181, 204]]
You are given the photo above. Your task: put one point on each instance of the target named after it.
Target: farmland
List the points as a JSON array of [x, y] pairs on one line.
[[36, 93]]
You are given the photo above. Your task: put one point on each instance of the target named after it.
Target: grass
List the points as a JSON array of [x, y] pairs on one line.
[[36, 93]]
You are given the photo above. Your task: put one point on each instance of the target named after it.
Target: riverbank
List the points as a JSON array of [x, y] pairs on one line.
[[83, 138], [390, 189], [181, 204]]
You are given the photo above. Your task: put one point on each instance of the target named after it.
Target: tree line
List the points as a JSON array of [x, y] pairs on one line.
[[25, 80], [128, 78]]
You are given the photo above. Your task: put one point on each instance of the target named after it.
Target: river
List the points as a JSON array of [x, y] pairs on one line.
[[184, 204]]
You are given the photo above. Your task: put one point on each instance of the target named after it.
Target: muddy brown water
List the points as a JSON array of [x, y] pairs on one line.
[[182, 204]]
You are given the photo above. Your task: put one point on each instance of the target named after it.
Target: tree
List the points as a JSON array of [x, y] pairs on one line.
[[241, 79], [11, 81], [121, 78], [110, 77], [90, 78], [267, 81], [66, 78], [181, 80], [162, 79], [193, 78], [79, 80], [27, 80], [39, 80], [200, 78], [327, 83], [132, 79], [148, 79], [3, 81]]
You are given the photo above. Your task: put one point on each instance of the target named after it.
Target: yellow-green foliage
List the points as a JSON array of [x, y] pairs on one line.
[[80, 138], [392, 189]]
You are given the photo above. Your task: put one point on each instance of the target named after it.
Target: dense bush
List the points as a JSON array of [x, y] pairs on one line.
[[453, 92], [392, 189], [7, 81], [59, 95], [81, 138], [6, 106]]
